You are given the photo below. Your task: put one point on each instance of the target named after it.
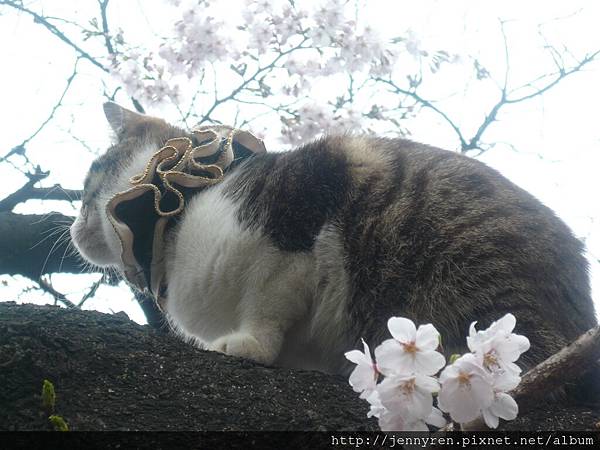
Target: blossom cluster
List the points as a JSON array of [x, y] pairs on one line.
[[313, 119], [272, 59], [401, 384]]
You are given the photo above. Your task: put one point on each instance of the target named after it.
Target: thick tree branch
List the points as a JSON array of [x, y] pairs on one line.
[[33, 245], [29, 192], [155, 318], [21, 194], [560, 369]]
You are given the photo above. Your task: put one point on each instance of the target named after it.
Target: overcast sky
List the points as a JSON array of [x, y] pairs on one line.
[[554, 140]]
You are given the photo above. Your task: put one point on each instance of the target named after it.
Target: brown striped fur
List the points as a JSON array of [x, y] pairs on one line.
[[428, 234]]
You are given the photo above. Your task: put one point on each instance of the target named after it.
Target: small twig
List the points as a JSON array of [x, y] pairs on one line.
[[37, 18], [89, 294], [254, 77], [47, 287], [20, 149], [428, 104], [103, 5]]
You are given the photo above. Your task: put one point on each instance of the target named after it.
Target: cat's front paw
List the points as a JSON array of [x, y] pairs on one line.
[[243, 345]]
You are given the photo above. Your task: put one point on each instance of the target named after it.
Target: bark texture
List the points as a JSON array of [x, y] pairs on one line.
[[112, 374]]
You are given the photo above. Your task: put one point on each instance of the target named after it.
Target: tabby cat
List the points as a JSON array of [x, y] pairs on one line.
[[292, 257]]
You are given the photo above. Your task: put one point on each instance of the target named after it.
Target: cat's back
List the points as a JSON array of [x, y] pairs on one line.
[[421, 232], [446, 239]]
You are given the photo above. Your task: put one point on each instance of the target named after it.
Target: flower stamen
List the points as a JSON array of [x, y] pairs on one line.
[[464, 378], [410, 347]]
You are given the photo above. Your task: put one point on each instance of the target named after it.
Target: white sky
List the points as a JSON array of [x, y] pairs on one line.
[[556, 137]]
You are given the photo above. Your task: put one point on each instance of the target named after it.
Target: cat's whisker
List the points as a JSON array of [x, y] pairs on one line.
[[71, 199], [68, 247], [51, 232], [54, 246], [45, 217]]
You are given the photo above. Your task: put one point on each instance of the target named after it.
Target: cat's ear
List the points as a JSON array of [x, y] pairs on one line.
[[120, 118]]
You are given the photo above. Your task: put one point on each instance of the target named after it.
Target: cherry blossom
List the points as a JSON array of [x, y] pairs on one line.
[[474, 385], [503, 406], [376, 407], [363, 378], [320, 36], [498, 345], [411, 351], [466, 389], [294, 48], [391, 420], [410, 394]]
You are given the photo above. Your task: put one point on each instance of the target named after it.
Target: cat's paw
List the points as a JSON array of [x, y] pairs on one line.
[[243, 345]]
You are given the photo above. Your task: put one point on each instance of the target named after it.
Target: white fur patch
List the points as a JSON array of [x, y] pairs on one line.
[[232, 290]]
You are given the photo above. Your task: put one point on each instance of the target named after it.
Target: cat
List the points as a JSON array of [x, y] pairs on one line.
[[295, 256]]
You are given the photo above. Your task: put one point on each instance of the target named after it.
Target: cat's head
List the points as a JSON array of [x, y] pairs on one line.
[[137, 137]]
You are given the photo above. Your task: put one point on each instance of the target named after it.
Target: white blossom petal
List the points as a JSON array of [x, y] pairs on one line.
[[465, 406], [506, 323], [377, 408], [490, 419], [429, 362], [504, 406], [402, 329], [482, 390], [429, 384], [466, 388], [363, 378], [405, 396], [392, 359], [355, 356], [505, 380], [391, 421], [436, 418], [427, 337], [418, 425]]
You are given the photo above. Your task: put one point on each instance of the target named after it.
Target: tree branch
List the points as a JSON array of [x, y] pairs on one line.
[[560, 75], [103, 5], [427, 104], [20, 149], [37, 18], [28, 192], [58, 296], [254, 77], [33, 245], [474, 142]]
